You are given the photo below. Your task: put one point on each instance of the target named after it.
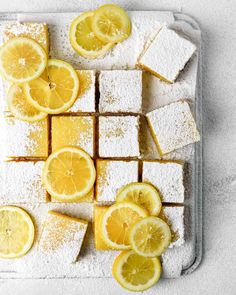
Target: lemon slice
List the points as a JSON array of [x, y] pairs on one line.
[[16, 232], [22, 60], [117, 221], [142, 194], [83, 39], [150, 237], [136, 273], [69, 174], [20, 107], [57, 92], [111, 23]]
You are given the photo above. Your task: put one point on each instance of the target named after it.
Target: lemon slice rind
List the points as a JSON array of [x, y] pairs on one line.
[[142, 194], [118, 271], [17, 42], [31, 228], [157, 239]]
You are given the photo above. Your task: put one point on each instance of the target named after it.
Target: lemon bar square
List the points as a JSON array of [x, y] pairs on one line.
[[173, 127], [73, 131], [167, 177], [118, 136], [23, 139], [22, 183], [85, 103], [167, 55], [120, 91], [35, 31], [174, 217], [98, 214], [62, 236], [112, 175]]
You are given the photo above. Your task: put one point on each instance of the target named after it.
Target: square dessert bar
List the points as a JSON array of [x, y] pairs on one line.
[[167, 177], [73, 131], [62, 236], [118, 136], [85, 103], [120, 91], [173, 127], [173, 216], [23, 139], [36, 31], [22, 183], [112, 175], [166, 55]]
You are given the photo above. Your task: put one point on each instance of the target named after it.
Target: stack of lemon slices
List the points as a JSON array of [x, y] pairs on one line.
[[93, 34], [38, 86], [132, 225]]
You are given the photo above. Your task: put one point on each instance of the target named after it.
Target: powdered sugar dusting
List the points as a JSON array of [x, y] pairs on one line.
[[174, 216], [22, 183], [62, 238], [167, 54], [120, 91], [167, 177], [173, 126], [112, 176], [119, 136]]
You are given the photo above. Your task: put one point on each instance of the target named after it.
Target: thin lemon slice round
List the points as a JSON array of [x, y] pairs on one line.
[[22, 60], [16, 232], [83, 39], [56, 92], [69, 174], [117, 221], [20, 107], [136, 273], [142, 194], [150, 237], [111, 23]]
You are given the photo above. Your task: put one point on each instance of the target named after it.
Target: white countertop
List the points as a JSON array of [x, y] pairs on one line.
[[217, 273]]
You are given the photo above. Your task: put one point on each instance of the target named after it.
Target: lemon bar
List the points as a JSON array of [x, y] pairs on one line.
[[120, 91], [173, 127], [166, 55], [167, 177], [112, 175], [174, 216], [85, 103], [36, 31], [23, 139], [98, 213], [73, 131], [22, 183], [62, 236], [119, 136]]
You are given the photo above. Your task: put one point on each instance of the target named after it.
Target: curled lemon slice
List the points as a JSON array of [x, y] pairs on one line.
[[142, 194], [16, 232], [83, 39], [69, 174], [20, 107], [117, 221], [55, 92], [22, 60], [150, 237], [111, 23], [136, 273]]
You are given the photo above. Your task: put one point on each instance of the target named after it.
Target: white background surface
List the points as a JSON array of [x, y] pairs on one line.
[[217, 273]]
